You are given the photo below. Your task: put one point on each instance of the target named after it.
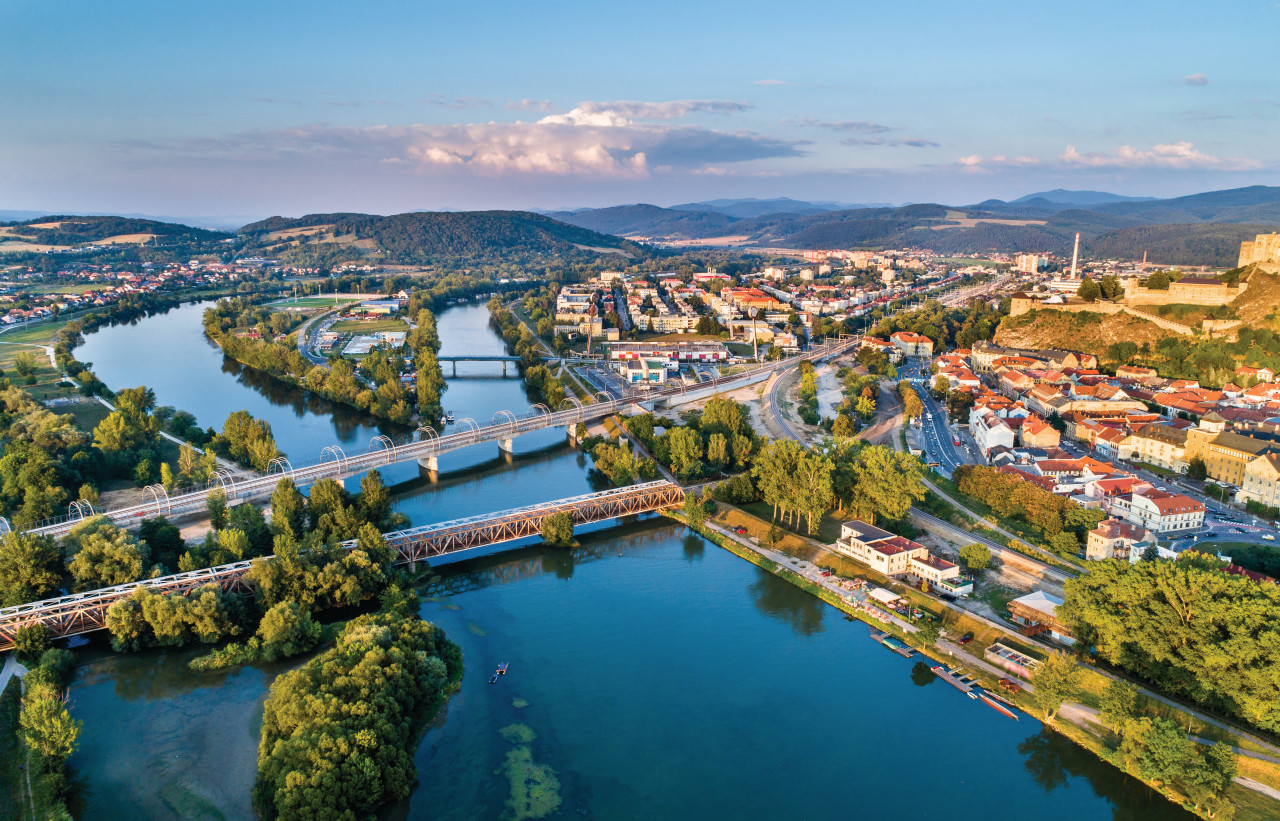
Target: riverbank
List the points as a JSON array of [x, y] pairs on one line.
[[1252, 794]]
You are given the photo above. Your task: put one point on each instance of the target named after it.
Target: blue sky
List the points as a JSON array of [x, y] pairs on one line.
[[273, 107]]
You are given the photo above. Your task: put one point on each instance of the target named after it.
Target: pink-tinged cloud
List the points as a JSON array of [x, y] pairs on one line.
[[1179, 155]]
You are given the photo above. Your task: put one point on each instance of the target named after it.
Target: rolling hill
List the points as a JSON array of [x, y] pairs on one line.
[[424, 237], [1200, 229]]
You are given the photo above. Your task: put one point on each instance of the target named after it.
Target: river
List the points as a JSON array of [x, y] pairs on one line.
[[652, 673]]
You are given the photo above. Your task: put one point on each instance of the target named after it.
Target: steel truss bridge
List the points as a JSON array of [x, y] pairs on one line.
[[425, 445], [86, 612]]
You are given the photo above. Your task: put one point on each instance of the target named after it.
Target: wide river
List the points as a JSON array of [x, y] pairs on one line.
[[652, 674]]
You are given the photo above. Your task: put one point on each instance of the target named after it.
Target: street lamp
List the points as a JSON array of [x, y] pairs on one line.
[[755, 340]]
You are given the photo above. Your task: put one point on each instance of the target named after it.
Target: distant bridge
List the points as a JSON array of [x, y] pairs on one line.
[[504, 359], [424, 446], [86, 612]]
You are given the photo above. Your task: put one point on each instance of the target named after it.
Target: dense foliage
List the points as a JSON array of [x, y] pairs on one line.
[[1188, 628], [1061, 521], [947, 327], [338, 732], [50, 733]]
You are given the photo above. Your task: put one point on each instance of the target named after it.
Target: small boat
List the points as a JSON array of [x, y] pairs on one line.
[[991, 702], [449, 416], [502, 669], [494, 678]]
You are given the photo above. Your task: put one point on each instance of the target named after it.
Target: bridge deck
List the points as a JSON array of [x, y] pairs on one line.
[[425, 444], [87, 612]]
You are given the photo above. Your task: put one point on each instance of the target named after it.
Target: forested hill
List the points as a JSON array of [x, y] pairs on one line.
[[74, 231], [424, 237], [1201, 229]]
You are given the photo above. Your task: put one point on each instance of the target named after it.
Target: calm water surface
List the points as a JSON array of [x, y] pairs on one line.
[[653, 675]]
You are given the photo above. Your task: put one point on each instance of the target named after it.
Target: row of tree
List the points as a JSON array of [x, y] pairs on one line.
[[1059, 520]]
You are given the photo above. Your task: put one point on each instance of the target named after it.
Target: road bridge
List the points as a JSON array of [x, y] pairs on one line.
[[504, 359], [86, 612], [424, 446]]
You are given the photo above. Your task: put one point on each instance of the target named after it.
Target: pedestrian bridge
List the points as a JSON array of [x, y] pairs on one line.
[[86, 612], [424, 446]]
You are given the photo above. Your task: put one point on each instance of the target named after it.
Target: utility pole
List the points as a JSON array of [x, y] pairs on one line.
[[755, 340]]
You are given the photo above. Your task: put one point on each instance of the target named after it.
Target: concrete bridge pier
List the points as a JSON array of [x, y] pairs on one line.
[[507, 446], [430, 466], [572, 430]]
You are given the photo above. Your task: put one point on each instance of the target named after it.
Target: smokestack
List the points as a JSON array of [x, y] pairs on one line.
[[1075, 256]]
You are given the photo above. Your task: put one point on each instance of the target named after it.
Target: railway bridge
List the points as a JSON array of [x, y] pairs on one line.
[[425, 446], [86, 612]]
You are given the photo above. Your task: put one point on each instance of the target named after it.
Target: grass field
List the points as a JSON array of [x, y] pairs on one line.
[[55, 288], [315, 301], [361, 326]]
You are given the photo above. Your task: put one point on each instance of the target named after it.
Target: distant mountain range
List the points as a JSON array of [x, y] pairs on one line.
[[1201, 229]]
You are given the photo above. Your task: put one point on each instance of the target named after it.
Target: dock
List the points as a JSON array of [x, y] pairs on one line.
[[893, 644], [958, 679]]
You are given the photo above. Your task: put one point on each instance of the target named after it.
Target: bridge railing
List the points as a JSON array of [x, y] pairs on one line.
[[85, 612], [190, 497]]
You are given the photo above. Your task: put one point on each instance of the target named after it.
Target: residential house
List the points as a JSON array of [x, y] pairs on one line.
[[1162, 513], [1116, 539], [1262, 481]]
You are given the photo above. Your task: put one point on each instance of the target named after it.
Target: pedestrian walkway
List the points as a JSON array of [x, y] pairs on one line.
[[11, 668]]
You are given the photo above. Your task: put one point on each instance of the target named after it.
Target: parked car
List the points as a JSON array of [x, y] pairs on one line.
[[966, 638], [740, 530], [1268, 537]]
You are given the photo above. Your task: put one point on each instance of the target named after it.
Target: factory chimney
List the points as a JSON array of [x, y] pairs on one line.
[[1075, 256]]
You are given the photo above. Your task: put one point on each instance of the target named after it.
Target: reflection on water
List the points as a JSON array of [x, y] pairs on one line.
[[776, 599], [922, 675], [1054, 762]]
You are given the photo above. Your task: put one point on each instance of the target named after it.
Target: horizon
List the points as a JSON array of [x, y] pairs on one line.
[[245, 109]]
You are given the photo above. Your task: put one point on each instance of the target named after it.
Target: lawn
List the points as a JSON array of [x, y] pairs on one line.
[[368, 326], [55, 288], [314, 301]]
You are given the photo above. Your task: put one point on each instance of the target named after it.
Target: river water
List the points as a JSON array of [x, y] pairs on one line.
[[653, 675]]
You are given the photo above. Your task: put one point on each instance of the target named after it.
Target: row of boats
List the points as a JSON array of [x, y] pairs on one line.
[[959, 679]]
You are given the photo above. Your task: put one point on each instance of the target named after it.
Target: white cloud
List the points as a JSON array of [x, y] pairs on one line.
[[970, 161], [1177, 155], [592, 140], [857, 126], [774, 83], [1196, 80], [624, 112]]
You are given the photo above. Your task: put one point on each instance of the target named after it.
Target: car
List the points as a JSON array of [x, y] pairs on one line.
[[1268, 537], [1236, 530], [826, 573], [1209, 535], [966, 638], [740, 530]]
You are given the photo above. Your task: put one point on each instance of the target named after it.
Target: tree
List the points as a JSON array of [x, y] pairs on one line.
[[288, 509], [685, 449], [216, 504], [1119, 704], [46, 724], [927, 633], [844, 427], [1057, 680], [717, 450], [102, 555], [1088, 290], [557, 529], [878, 483], [1197, 469], [693, 512], [287, 629], [1159, 281], [975, 556], [1056, 422], [28, 568], [24, 363], [31, 640]]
